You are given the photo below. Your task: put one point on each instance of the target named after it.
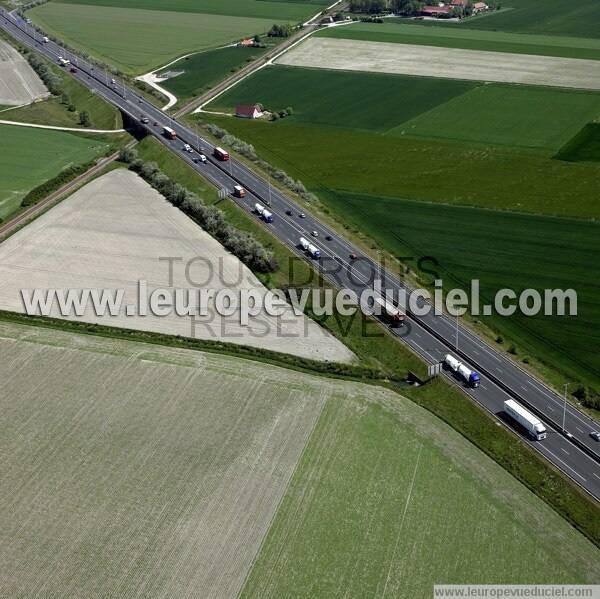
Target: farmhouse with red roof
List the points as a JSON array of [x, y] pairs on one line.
[[248, 112], [436, 11]]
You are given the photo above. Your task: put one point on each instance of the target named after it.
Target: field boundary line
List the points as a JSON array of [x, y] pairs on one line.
[[196, 104], [406, 504], [56, 128], [285, 491]]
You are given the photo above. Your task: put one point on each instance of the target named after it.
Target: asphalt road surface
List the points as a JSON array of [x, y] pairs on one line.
[[570, 449]]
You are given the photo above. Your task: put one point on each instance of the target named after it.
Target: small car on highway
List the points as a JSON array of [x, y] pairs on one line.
[[201, 158], [144, 119], [188, 148], [314, 233], [302, 215], [288, 212], [595, 435], [353, 256]]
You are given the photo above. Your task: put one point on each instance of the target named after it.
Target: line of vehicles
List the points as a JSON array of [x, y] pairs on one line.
[[532, 425], [520, 415]]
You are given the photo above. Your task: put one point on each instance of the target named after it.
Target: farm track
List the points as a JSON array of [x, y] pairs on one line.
[[244, 72], [256, 65]]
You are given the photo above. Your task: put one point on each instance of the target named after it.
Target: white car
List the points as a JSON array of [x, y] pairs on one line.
[[315, 233], [202, 158], [188, 148]]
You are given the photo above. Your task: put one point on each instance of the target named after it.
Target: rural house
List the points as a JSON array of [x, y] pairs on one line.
[[436, 11], [248, 112], [479, 7]]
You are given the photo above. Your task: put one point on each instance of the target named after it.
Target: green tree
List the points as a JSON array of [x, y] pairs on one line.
[[84, 118]]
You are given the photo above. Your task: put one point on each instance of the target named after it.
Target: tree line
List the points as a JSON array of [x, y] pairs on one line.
[[240, 243], [401, 7], [55, 85]]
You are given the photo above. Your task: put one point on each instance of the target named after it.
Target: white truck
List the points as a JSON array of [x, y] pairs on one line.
[[312, 250], [470, 377], [532, 424], [388, 309], [45, 39], [263, 213]]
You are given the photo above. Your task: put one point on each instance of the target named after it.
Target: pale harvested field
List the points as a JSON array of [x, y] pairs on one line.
[[132, 470], [19, 84], [450, 63], [111, 234]]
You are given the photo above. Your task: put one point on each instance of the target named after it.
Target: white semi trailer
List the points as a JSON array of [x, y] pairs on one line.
[[263, 212], [307, 246], [532, 424], [470, 377]]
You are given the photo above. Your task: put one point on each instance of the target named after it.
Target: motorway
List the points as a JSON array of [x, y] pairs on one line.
[[570, 449]]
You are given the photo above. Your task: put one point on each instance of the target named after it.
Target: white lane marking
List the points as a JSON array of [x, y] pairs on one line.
[[422, 350], [562, 462], [556, 401], [483, 387], [580, 430], [598, 477], [565, 451]]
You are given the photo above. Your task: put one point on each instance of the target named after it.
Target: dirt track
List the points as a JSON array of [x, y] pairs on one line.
[[450, 63], [111, 233], [18, 82]]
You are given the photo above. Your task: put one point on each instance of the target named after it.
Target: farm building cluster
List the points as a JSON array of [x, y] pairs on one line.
[[454, 8]]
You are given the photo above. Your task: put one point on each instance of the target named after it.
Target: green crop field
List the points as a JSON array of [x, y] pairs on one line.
[[510, 115], [336, 98], [423, 169], [584, 146], [382, 505], [31, 156], [502, 250], [441, 108], [292, 10], [137, 40], [203, 70], [443, 173], [549, 17], [470, 39]]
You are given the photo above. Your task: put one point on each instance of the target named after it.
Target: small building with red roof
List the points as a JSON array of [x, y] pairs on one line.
[[248, 112], [436, 11]]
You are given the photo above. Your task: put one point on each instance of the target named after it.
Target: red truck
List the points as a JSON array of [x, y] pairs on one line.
[[221, 154]]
